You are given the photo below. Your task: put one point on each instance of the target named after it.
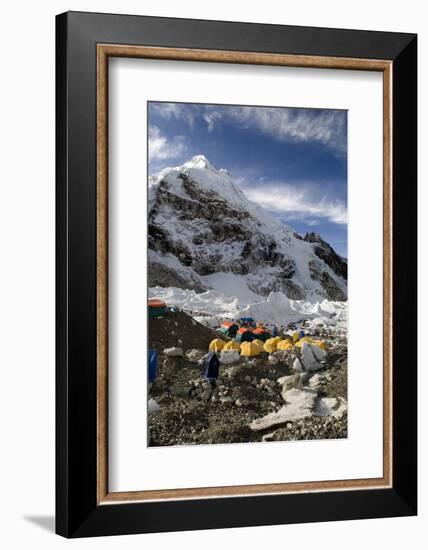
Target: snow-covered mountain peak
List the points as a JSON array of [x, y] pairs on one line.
[[201, 224], [199, 176], [199, 161]]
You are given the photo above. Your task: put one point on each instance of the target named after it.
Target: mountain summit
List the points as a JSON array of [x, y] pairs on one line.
[[199, 161], [204, 233]]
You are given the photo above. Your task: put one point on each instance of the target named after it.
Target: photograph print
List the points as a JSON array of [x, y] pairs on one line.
[[247, 274]]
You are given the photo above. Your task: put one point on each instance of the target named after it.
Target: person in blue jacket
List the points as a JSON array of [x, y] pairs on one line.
[[211, 368]]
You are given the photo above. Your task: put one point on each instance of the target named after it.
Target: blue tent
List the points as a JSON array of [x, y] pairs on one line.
[[211, 366], [246, 321], [153, 365]]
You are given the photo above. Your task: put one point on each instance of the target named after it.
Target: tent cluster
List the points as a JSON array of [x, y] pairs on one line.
[[251, 343], [229, 329], [245, 334], [246, 331], [157, 308]]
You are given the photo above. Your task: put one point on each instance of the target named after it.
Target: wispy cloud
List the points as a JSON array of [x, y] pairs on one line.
[[162, 148], [298, 202], [299, 125], [325, 126], [212, 117], [168, 111]]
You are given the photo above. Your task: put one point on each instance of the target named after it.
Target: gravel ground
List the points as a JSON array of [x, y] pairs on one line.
[[315, 427], [337, 385]]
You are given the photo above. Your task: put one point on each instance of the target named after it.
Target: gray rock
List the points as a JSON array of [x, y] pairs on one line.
[[331, 406], [313, 357], [195, 355], [289, 382], [152, 407], [317, 381], [299, 404], [173, 352], [297, 365], [226, 400], [273, 360], [229, 356]]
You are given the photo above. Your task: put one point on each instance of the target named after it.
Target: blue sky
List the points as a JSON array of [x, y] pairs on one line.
[[292, 161]]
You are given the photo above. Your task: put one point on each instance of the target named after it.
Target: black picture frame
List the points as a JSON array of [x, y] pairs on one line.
[[77, 511]]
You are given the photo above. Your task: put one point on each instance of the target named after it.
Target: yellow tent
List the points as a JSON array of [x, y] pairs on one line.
[[216, 345], [284, 345], [249, 349], [320, 343], [295, 336], [259, 344], [232, 345], [309, 340], [271, 344]]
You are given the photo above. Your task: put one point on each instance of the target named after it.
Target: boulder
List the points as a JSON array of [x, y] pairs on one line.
[[313, 357], [289, 382], [317, 381], [226, 400], [331, 406], [173, 352], [299, 404], [229, 356], [297, 365], [152, 406], [195, 355]]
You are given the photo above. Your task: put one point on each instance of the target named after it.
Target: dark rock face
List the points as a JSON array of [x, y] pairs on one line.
[[326, 253], [161, 275], [216, 223], [259, 250], [327, 282]]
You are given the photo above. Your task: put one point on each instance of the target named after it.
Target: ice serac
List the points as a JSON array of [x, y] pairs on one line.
[[204, 233]]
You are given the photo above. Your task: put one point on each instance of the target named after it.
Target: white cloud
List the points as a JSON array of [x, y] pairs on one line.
[[211, 117], [185, 111], [299, 125], [161, 148], [324, 126], [298, 202]]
